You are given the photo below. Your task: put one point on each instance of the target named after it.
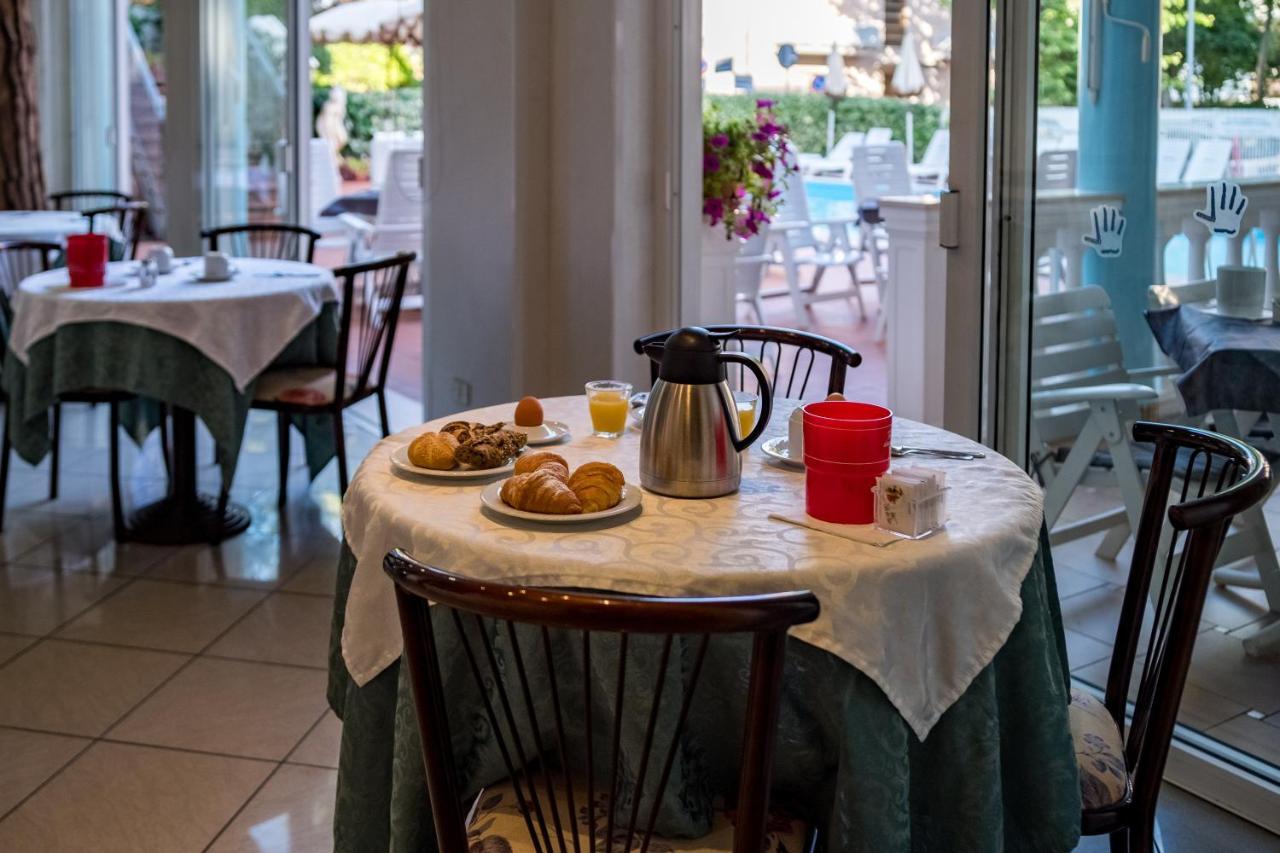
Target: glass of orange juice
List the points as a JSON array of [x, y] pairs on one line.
[[609, 401], [746, 404]]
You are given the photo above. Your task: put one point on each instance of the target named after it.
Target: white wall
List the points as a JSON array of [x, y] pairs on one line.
[[541, 212]]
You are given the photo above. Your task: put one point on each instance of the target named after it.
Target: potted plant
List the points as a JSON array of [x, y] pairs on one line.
[[744, 163]]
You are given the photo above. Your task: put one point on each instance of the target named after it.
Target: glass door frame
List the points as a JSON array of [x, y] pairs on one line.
[[1014, 58]]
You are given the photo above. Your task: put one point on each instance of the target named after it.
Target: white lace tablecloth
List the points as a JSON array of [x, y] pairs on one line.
[[921, 618], [49, 226], [241, 325]]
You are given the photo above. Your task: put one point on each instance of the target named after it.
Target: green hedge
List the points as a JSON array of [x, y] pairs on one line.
[[806, 116], [392, 109]]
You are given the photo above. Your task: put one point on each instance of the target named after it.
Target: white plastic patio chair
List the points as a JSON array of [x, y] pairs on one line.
[[797, 240], [935, 164], [398, 224], [380, 148], [1172, 155], [1056, 170], [838, 161], [324, 185], [748, 271], [879, 171], [1209, 161]]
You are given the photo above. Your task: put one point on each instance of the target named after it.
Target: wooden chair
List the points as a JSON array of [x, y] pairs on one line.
[[561, 764], [770, 345], [277, 240], [85, 200], [1199, 482], [18, 260], [365, 336], [130, 217]]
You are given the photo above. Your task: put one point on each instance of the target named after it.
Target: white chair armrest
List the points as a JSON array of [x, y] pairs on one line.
[[789, 225], [1094, 393], [358, 225]]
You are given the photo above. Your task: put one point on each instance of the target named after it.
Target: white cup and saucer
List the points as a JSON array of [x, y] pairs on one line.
[[217, 267], [1241, 292]]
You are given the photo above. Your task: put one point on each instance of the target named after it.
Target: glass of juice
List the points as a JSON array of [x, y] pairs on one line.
[[746, 403], [609, 402]]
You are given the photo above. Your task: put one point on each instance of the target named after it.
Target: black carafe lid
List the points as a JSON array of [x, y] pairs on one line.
[[690, 357]]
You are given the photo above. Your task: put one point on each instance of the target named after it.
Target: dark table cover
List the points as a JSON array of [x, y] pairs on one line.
[[1226, 362]]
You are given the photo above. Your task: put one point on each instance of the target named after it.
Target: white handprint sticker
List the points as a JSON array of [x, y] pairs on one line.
[[1224, 205], [1107, 238]]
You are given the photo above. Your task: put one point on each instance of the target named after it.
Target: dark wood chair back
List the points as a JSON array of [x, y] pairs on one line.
[[278, 240], [22, 258], [1199, 482], [532, 767], [368, 327], [86, 200], [791, 355], [130, 218]]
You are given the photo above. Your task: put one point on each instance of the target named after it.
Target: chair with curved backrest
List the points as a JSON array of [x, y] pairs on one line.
[[86, 200], [19, 260], [786, 353], [130, 218], [1199, 482], [278, 240], [557, 770], [366, 334]]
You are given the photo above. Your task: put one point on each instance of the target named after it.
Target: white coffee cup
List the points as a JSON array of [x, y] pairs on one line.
[[162, 257], [1242, 291], [217, 266]]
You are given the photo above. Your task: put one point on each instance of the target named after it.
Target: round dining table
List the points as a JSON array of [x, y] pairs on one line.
[[195, 345], [926, 707]]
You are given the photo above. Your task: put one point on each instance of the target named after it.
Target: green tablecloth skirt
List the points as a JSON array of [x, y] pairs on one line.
[[159, 368], [997, 773]]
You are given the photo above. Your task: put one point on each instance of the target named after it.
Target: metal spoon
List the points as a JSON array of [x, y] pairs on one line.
[[902, 450]]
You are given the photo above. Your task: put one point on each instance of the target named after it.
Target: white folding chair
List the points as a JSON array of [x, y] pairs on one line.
[[879, 171], [748, 271], [1172, 154]]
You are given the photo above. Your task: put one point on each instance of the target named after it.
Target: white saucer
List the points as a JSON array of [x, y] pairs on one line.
[[1214, 308], [204, 279], [400, 462], [549, 432], [778, 450], [492, 498]]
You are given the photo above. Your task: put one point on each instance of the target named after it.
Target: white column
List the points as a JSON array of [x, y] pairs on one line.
[[917, 345], [1269, 221], [1199, 239], [1071, 247]]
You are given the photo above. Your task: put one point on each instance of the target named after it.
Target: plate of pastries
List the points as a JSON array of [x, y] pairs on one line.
[[544, 488], [462, 450]]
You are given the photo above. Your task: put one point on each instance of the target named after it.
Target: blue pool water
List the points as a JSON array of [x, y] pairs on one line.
[[830, 198]]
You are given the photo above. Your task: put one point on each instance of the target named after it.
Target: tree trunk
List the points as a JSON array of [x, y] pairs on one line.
[[21, 169], [1264, 52]]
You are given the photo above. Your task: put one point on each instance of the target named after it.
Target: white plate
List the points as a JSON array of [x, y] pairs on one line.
[[492, 498], [778, 449], [400, 461], [548, 433]]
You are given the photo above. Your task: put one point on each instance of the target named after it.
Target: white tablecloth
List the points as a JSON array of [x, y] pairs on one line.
[[49, 226], [241, 325], [920, 618]]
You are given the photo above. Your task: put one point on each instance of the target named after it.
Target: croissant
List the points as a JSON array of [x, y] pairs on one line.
[[543, 459], [434, 450], [540, 491], [598, 485]]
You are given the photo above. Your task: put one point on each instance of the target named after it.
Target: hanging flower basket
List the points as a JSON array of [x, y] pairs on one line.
[[744, 161]]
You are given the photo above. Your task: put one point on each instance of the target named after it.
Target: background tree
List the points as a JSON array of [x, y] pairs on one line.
[[1059, 52], [1227, 37], [21, 172]]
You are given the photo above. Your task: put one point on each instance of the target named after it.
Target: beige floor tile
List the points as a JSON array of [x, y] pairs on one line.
[[285, 628], [88, 547], [1200, 708], [1252, 736], [23, 530], [1221, 665], [133, 799], [78, 688], [11, 644], [292, 812], [29, 759], [251, 710], [322, 744], [257, 560], [318, 577], [1083, 649], [1095, 612], [36, 601], [1234, 607], [1071, 582], [161, 615]]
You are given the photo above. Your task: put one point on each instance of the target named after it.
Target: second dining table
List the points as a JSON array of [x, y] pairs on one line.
[[926, 708], [193, 345]]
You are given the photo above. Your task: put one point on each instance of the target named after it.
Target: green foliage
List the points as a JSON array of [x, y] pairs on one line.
[[148, 25], [1059, 52], [367, 67], [805, 116], [1227, 33], [398, 109]]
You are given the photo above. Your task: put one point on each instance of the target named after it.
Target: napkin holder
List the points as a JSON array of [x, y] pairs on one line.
[[911, 502]]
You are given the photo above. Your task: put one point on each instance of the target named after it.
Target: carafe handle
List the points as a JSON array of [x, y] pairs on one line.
[[766, 397]]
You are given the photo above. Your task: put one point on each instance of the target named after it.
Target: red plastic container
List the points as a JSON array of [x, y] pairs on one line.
[[841, 492], [87, 260], [844, 431]]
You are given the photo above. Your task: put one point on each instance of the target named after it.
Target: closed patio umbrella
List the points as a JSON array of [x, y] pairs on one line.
[[908, 77], [369, 22]]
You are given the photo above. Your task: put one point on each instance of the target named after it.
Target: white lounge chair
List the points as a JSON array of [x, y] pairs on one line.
[[935, 165], [753, 259], [324, 185], [1209, 161], [878, 171], [879, 136], [835, 162], [1171, 159], [797, 240], [398, 225]]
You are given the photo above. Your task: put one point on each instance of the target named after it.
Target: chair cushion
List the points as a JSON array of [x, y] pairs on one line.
[[304, 386], [498, 826], [1104, 781]]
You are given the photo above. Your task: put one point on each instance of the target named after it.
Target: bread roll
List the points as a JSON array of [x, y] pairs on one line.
[[434, 450]]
